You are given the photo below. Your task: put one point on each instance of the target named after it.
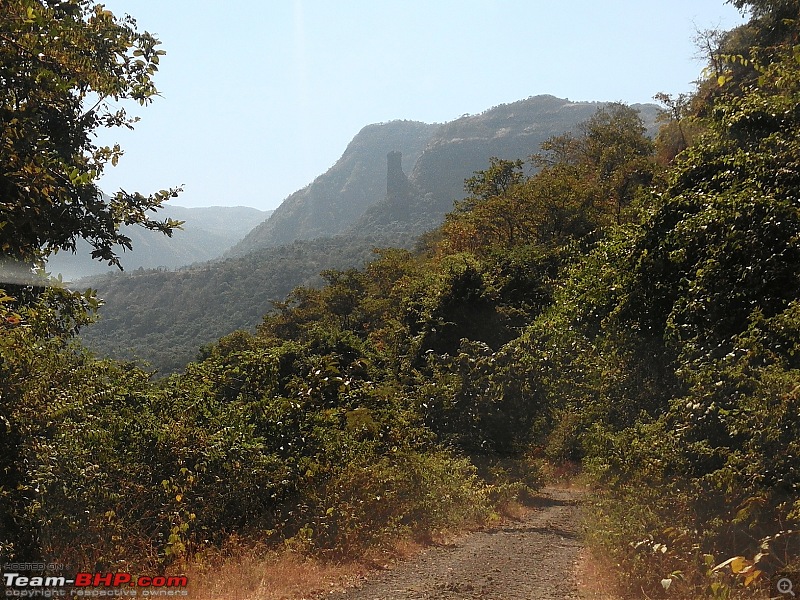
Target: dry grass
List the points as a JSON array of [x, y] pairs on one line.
[[596, 580], [563, 474], [285, 576], [514, 511], [247, 573]]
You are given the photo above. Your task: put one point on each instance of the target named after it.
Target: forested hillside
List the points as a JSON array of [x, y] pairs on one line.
[[629, 304], [163, 318]]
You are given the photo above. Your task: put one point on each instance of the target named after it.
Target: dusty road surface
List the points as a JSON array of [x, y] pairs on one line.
[[533, 559]]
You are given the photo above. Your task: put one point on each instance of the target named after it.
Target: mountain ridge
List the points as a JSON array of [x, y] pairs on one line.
[[435, 167], [358, 176]]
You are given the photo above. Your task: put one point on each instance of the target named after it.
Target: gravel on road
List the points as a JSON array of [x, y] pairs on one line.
[[531, 559]]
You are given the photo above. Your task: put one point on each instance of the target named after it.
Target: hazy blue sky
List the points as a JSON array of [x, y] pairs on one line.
[[261, 96]]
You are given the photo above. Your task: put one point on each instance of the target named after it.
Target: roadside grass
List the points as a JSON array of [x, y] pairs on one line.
[[597, 579], [640, 544], [247, 569], [247, 572]]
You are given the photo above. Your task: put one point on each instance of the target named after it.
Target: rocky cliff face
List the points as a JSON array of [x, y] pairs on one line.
[[398, 189], [509, 131], [461, 147], [336, 199], [423, 173]]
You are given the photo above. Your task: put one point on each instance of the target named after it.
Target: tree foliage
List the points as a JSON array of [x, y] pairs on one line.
[[585, 183], [705, 293], [64, 67]]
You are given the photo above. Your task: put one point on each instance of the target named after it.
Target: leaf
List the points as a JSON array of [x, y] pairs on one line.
[[665, 583], [740, 564], [752, 577], [760, 556], [736, 563]]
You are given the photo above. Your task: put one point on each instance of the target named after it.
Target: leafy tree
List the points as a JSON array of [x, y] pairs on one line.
[[678, 127], [64, 64], [497, 180], [612, 152], [699, 307], [772, 16], [586, 182]]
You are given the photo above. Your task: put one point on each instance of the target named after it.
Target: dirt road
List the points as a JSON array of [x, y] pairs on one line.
[[532, 560]]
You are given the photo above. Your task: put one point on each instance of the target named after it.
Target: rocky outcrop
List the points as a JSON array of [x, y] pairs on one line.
[[337, 198]]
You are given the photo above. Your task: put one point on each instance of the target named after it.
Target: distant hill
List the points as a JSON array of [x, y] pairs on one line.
[[207, 233], [352, 196]]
